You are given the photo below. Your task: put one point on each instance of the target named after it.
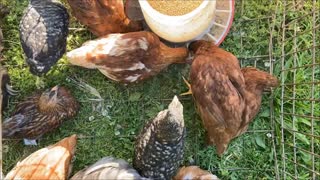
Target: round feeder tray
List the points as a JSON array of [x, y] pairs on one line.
[[221, 26]]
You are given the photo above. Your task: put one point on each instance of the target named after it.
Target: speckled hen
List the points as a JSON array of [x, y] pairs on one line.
[[43, 34], [103, 17], [159, 148], [51, 162], [40, 113], [127, 58], [108, 168]]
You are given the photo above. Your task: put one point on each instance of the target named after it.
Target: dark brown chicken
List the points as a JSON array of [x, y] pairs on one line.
[[103, 16], [127, 58], [40, 113], [194, 173], [227, 99], [159, 147]]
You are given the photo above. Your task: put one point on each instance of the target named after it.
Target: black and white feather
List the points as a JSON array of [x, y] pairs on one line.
[[159, 148], [108, 168], [43, 34]]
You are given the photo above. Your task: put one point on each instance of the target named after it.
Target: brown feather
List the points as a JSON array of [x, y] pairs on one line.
[[127, 58], [52, 162], [103, 16], [256, 82], [40, 113], [194, 173], [215, 78], [227, 97]]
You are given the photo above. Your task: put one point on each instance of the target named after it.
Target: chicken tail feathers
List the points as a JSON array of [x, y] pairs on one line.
[[12, 125]]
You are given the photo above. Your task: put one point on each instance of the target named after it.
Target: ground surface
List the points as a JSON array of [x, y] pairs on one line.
[[111, 130]]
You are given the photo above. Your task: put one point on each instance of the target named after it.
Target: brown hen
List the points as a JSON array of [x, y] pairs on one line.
[[51, 162], [40, 113], [127, 58], [227, 99], [103, 16], [256, 82], [194, 173], [218, 88]]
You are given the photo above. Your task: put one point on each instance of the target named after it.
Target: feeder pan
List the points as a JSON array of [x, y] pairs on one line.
[[217, 31]]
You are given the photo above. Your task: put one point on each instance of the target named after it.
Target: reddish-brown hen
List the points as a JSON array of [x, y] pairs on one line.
[[127, 58], [51, 162], [226, 97], [218, 88], [103, 16], [256, 82]]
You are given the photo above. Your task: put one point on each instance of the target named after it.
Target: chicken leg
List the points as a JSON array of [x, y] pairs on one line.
[[189, 86]]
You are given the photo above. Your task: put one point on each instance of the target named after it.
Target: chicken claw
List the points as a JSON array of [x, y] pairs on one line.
[[189, 86], [11, 91]]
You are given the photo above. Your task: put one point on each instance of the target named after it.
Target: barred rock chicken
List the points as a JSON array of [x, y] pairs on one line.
[[52, 162], [194, 173], [159, 148], [227, 99], [108, 168], [127, 58], [40, 113], [103, 16], [43, 34]]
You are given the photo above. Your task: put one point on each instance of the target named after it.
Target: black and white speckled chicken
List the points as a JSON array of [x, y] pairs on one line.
[[108, 168], [159, 148], [43, 34], [40, 113]]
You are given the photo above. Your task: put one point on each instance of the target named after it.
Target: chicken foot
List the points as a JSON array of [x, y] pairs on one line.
[[189, 86]]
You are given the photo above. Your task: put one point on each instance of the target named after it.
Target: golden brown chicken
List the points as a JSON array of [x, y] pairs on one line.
[[40, 113], [256, 82], [194, 173], [227, 99], [127, 58], [218, 88], [52, 162], [103, 16]]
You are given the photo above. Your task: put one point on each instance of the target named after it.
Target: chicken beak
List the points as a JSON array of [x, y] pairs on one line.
[[55, 88], [54, 92]]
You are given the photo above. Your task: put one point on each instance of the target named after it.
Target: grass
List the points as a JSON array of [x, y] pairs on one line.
[[111, 130]]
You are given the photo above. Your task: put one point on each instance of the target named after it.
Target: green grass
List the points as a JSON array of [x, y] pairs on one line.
[[127, 108]]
